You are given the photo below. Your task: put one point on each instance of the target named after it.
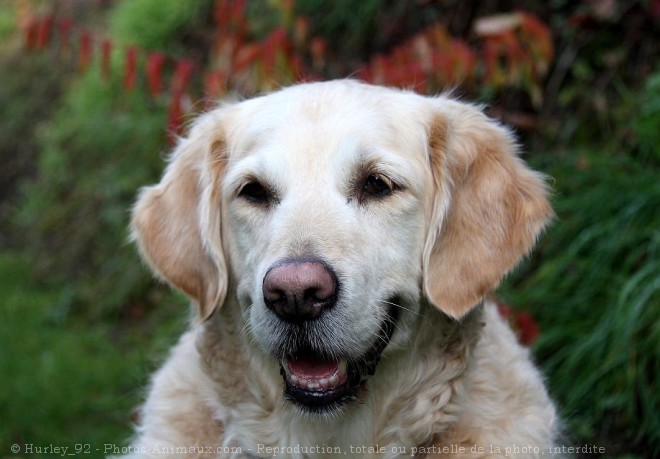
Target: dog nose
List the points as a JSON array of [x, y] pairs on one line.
[[299, 290]]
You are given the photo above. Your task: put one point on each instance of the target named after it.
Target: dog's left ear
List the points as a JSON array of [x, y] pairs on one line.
[[176, 223], [487, 210]]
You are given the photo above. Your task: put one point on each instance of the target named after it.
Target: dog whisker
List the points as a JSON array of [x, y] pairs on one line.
[[402, 307], [247, 330]]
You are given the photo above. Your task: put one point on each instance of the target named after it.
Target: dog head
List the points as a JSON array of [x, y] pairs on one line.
[[336, 211]]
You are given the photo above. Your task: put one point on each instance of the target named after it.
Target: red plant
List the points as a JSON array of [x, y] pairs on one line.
[[518, 50], [503, 45], [44, 31], [509, 50], [429, 60], [252, 66], [155, 65], [528, 329], [31, 31], [214, 86], [183, 73], [174, 118], [85, 50], [537, 38], [276, 45], [229, 13], [522, 323]]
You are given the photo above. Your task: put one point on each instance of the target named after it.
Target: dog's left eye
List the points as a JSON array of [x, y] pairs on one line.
[[255, 192], [377, 186]]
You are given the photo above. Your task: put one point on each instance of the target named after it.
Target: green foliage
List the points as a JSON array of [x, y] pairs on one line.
[[100, 148], [354, 21], [28, 96], [594, 284], [603, 52], [595, 288], [67, 382], [647, 122], [50, 367], [159, 25], [7, 21]]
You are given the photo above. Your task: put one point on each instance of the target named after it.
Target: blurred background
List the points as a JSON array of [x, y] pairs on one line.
[[94, 92]]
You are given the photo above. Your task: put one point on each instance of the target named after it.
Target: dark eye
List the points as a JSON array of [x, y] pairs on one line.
[[255, 192], [377, 186]]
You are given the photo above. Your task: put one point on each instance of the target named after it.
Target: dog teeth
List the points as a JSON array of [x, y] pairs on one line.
[[317, 384]]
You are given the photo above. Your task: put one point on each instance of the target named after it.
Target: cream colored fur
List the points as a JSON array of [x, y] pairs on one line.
[[453, 381]]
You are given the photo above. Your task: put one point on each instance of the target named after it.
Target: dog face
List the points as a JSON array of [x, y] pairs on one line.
[[335, 211], [324, 224]]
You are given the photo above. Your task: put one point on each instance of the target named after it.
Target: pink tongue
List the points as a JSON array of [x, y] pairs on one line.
[[310, 368]]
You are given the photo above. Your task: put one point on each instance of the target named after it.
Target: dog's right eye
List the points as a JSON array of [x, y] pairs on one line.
[[255, 192]]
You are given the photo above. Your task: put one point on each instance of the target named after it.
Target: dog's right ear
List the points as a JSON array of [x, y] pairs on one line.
[[176, 223], [488, 207]]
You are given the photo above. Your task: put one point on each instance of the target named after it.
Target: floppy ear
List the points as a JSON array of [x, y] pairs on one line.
[[488, 207], [177, 223]]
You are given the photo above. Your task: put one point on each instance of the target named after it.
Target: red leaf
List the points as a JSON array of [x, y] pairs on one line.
[[274, 43], [31, 31], [214, 85], [228, 14], [522, 323], [539, 39], [504, 310], [238, 12], [221, 13], [174, 118], [365, 73], [85, 50], [528, 329], [43, 32], [246, 56], [182, 76], [155, 65]]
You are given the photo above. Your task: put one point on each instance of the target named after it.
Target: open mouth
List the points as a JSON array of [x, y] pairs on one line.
[[318, 384]]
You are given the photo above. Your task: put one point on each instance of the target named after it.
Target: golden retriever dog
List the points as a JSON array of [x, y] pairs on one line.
[[338, 241]]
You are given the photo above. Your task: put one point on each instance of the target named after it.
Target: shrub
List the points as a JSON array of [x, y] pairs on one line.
[[647, 122], [29, 95], [161, 25], [595, 288], [100, 147], [102, 144]]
